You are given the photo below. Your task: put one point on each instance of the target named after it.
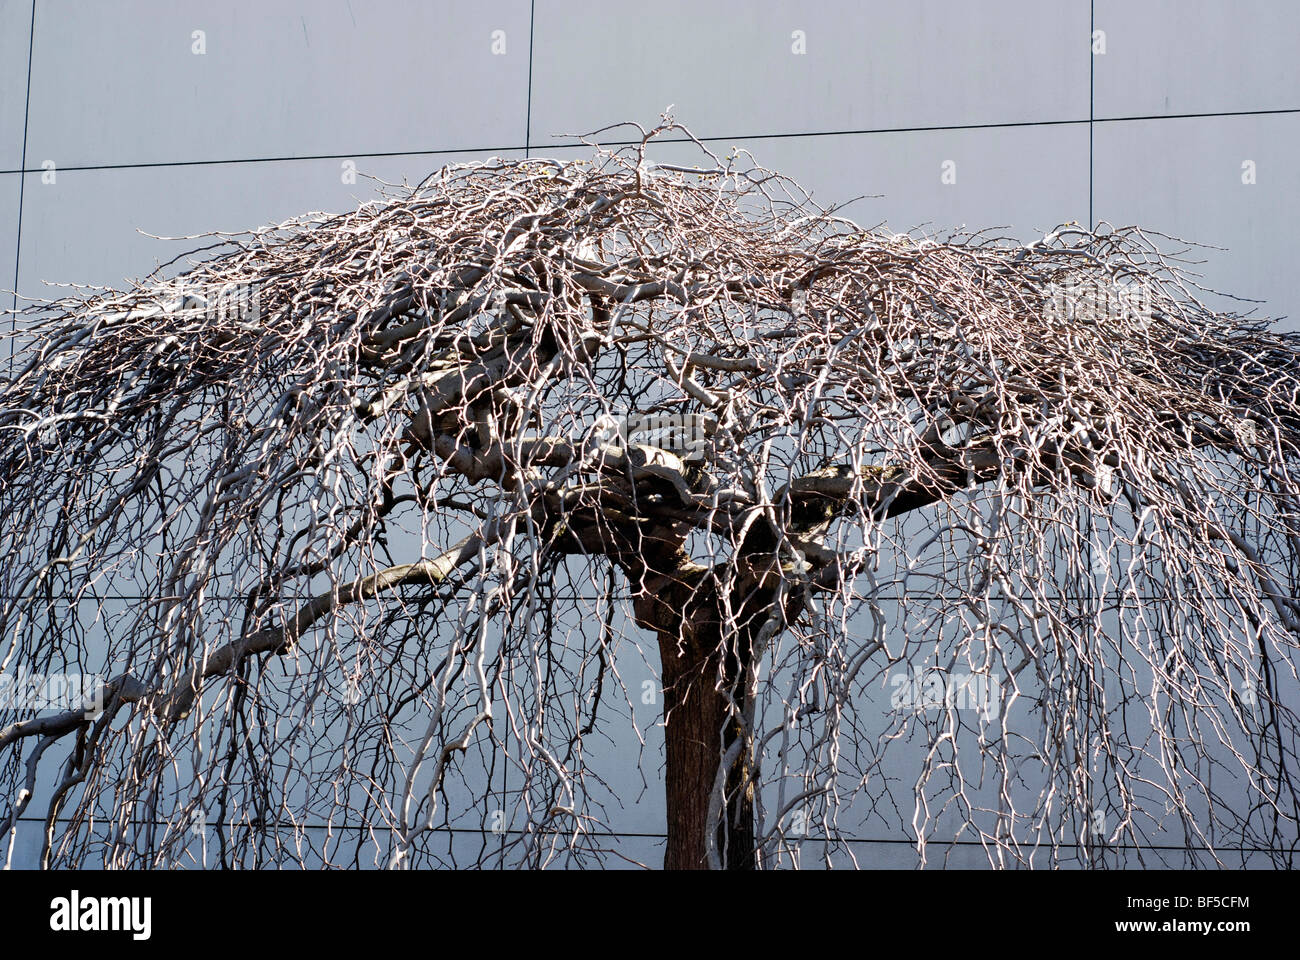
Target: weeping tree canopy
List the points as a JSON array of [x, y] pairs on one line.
[[372, 522]]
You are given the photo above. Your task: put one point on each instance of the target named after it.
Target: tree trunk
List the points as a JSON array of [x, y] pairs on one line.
[[703, 676], [699, 730]]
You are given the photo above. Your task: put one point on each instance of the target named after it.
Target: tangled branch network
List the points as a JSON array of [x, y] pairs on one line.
[[373, 522]]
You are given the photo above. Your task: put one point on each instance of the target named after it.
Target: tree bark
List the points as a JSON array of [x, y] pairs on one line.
[[699, 729], [707, 690]]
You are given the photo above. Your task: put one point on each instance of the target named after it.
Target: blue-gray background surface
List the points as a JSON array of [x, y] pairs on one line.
[[147, 137]]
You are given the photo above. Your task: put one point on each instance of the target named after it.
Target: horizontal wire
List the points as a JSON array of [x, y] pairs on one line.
[[524, 148]]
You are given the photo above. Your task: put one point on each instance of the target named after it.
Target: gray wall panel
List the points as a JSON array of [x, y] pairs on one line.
[[9, 184], [1197, 56], [15, 24], [119, 83], [730, 69], [1184, 177]]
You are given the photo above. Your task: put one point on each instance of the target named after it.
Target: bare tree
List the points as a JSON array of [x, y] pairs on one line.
[[395, 495]]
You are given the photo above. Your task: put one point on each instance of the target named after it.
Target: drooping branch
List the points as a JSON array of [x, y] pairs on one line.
[[174, 703]]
